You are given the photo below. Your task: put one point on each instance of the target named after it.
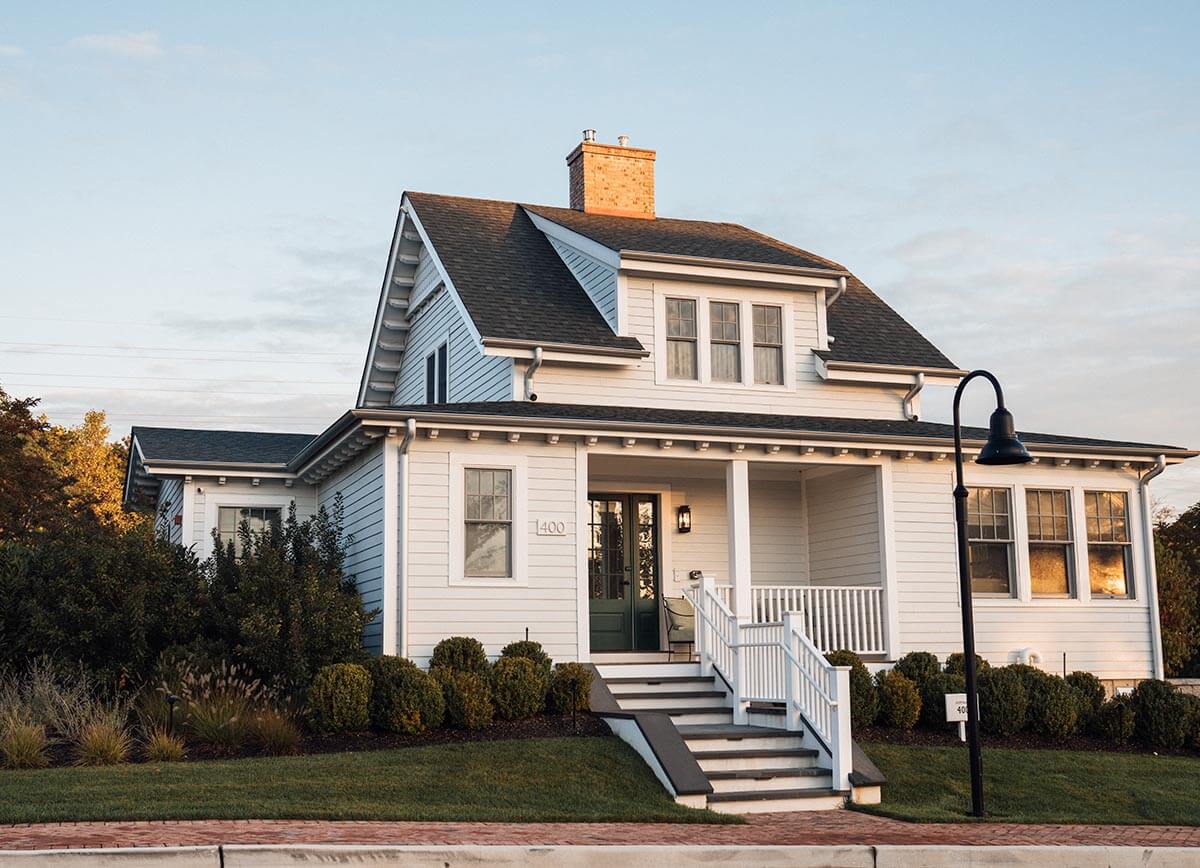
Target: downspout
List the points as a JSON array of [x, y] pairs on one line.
[[402, 515], [917, 386], [1151, 567], [837, 293], [530, 370]]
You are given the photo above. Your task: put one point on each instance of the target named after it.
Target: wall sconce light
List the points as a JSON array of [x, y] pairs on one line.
[[683, 518]]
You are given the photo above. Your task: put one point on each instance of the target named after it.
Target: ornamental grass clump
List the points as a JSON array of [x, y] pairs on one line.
[[899, 700], [339, 698], [274, 732], [403, 698], [518, 688], [219, 704], [460, 654], [864, 702], [103, 743], [23, 744], [163, 747]]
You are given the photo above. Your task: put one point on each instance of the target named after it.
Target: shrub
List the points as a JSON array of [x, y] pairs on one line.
[[1054, 711], [864, 704], [1115, 720], [899, 699], [102, 743], [1003, 701], [163, 747], [1192, 703], [403, 698], [518, 688], [571, 687], [461, 654], [339, 698], [956, 664], [468, 700], [933, 693], [918, 666], [24, 745], [1160, 714], [533, 652], [219, 704], [273, 732], [1040, 691], [1089, 688]]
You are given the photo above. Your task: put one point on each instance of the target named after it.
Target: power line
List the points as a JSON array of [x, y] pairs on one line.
[[180, 349], [180, 391], [40, 353], [190, 379]]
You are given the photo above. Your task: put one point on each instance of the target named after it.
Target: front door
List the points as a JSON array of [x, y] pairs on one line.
[[623, 572]]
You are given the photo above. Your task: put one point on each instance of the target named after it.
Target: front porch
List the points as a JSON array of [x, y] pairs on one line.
[[774, 537]]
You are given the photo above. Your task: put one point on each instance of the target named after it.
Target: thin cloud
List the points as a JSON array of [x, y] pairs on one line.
[[11, 51], [145, 45]]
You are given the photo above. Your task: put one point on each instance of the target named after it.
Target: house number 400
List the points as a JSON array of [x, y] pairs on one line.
[[551, 528]]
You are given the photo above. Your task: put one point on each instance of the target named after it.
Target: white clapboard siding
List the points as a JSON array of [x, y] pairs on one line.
[[547, 600], [1109, 638], [635, 386], [843, 519], [208, 494], [598, 280], [472, 375], [168, 506], [360, 484]]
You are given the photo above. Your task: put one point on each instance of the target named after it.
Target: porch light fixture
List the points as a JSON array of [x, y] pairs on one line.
[[1002, 447], [683, 519]]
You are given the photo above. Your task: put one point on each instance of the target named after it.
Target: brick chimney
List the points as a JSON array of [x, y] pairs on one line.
[[611, 179]]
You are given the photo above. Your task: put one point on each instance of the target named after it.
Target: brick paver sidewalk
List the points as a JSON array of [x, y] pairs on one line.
[[821, 827]]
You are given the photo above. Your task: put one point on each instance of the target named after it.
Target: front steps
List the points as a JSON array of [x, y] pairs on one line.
[[751, 769]]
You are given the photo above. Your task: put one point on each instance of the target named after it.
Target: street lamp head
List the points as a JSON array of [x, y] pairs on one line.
[[1003, 446]]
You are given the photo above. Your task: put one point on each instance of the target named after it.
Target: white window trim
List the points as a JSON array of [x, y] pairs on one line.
[[745, 303], [1132, 514], [213, 500], [1024, 570], [1014, 551], [518, 464]]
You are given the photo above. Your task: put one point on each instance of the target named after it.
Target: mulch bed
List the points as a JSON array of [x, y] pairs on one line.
[[1021, 741]]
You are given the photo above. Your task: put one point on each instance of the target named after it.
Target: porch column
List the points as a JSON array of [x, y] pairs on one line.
[[737, 510]]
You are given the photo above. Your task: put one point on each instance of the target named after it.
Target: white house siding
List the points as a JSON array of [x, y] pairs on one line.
[[843, 518], [360, 484], [1108, 637], [169, 508], [545, 600], [598, 280], [207, 494], [472, 375], [635, 386]]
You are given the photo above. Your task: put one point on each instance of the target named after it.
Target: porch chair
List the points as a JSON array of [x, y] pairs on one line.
[[681, 624]]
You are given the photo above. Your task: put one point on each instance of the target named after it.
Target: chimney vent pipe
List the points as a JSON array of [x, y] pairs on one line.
[[623, 141], [589, 135]]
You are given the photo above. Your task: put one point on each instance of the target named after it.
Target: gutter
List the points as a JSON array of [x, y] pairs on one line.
[[1151, 565], [518, 344], [918, 384], [738, 264]]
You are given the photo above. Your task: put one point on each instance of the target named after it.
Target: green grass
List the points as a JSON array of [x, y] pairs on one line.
[[932, 784], [526, 780]]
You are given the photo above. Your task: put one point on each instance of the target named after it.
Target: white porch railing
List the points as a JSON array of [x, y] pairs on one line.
[[833, 617], [776, 662]]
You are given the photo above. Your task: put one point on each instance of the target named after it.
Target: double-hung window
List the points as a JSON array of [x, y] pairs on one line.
[[768, 344], [231, 518], [487, 514], [990, 541], [681, 339], [725, 336], [437, 365], [1051, 557], [1108, 547]]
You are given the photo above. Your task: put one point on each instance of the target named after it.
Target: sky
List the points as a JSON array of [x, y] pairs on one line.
[[197, 199]]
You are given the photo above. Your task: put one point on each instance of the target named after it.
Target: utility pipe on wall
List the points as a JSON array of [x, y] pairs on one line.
[[1151, 568], [917, 386], [530, 370], [402, 511]]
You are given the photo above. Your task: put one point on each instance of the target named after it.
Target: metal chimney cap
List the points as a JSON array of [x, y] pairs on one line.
[[623, 141], [589, 135]]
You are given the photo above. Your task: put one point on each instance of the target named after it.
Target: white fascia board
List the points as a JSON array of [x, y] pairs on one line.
[[883, 375], [726, 272], [409, 209], [381, 310], [212, 469], [582, 243], [583, 357]]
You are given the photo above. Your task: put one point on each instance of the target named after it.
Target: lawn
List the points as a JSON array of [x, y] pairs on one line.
[[932, 784], [525, 780]]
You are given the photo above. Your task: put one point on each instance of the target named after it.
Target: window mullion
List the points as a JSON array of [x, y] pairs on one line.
[[1020, 530]]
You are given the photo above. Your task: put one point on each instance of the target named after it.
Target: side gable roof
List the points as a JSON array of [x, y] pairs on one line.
[[512, 283], [190, 445]]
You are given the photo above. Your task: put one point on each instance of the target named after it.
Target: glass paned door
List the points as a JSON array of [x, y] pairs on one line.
[[623, 572]]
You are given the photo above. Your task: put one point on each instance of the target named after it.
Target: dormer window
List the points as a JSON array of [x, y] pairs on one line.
[[726, 340], [681, 339]]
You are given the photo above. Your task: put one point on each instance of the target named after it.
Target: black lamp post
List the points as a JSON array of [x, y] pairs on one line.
[[1002, 447]]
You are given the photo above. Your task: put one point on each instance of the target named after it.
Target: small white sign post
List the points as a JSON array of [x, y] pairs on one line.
[[956, 712]]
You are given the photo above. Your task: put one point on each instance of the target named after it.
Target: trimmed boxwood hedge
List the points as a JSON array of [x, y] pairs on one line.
[[1003, 701], [404, 699], [918, 666], [899, 699], [339, 698], [933, 697], [518, 688], [864, 702], [461, 654]]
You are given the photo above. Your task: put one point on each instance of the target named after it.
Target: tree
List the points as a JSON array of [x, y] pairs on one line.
[[1177, 557], [31, 498]]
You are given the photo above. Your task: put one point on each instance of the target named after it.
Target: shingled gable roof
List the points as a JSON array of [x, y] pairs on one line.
[[515, 286], [191, 445]]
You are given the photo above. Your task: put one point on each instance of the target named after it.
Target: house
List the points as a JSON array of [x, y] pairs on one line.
[[568, 415]]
